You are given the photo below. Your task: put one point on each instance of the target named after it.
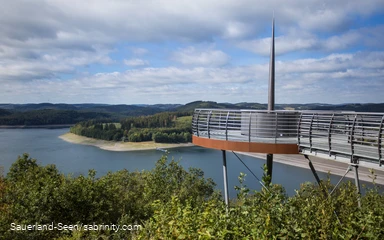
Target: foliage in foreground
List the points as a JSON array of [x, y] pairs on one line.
[[270, 214], [34, 194], [171, 203]]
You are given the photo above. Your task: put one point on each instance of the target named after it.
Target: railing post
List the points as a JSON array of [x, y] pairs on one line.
[[208, 122], [276, 127], [351, 138], [379, 140], [220, 121], [226, 126], [329, 134], [249, 127], [310, 133], [197, 123], [362, 130], [299, 129]]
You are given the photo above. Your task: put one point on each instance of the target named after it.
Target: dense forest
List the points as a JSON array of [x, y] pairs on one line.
[[169, 202], [47, 113], [166, 127], [47, 117]]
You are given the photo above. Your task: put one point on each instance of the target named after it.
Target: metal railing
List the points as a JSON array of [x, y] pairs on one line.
[[246, 125], [348, 135], [351, 135]]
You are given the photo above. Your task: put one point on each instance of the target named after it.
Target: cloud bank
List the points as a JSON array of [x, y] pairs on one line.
[[175, 52]]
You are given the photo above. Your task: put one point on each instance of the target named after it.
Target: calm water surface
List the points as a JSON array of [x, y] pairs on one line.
[[46, 146]]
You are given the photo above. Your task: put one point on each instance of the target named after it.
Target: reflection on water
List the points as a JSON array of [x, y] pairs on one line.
[[47, 148]]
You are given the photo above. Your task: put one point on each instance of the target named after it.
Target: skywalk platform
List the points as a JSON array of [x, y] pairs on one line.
[[351, 137]]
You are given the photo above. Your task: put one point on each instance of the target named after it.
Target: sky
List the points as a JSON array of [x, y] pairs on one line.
[[179, 51]]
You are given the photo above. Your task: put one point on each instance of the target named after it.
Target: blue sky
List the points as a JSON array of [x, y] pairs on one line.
[[157, 51]]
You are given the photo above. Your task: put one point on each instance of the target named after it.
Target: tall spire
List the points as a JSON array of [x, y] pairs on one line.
[[271, 95], [271, 89]]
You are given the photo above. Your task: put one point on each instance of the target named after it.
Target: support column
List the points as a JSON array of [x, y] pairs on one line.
[[226, 196], [357, 182], [316, 176], [313, 170]]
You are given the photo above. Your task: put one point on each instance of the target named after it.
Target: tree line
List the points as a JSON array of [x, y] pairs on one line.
[[161, 127]]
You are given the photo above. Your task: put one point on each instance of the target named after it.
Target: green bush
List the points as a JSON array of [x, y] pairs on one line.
[[172, 203], [34, 194]]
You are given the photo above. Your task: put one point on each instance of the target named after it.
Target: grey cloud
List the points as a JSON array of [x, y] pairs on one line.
[[296, 40]]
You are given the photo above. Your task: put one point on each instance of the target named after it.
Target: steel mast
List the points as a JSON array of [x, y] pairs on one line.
[[271, 91]]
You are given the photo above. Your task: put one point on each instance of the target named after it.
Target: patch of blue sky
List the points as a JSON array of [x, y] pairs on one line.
[[368, 21]]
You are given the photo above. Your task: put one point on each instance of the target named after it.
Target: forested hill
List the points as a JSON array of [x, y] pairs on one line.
[[48, 113], [357, 107], [47, 117]]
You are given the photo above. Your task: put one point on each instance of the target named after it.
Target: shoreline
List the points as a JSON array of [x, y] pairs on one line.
[[48, 126], [322, 165], [120, 146]]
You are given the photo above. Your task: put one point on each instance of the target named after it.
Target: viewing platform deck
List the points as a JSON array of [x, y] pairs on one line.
[[351, 137]]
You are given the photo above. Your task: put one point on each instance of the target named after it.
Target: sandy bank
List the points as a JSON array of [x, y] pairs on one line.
[[119, 146]]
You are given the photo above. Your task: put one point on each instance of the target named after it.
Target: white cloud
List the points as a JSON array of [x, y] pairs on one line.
[[139, 51], [335, 78], [200, 57], [136, 62], [283, 44]]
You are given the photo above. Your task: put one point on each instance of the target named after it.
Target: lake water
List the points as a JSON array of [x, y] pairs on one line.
[[46, 146]]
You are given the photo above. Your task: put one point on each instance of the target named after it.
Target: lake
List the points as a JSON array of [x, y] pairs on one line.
[[45, 146]]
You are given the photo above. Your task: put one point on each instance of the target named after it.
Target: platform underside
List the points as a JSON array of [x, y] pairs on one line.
[[258, 147]]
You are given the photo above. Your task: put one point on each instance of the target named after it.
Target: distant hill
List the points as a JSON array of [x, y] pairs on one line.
[[147, 109], [190, 107], [166, 107], [120, 108], [48, 113], [357, 107], [125, 110], [38, 106], [49, 117], [369, 107], [258, 106]]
